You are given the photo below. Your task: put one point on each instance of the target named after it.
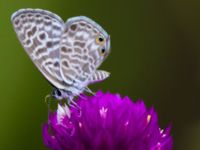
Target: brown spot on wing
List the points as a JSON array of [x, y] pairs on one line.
[[34, 29], [42, 36], [49, 44], [47, 17], [16, 21], [85, 51], [82, 24], [32, 32], [86, 68], [80, 44], [38, 21], [65, 63], [56, 42], [85, 57], [56, 27], [66, 50], [73, 27], [30, 15], [37, 15], [77, 50], [36, 41], [48, 63], [22, 16], [28, 42], [89, 27], [40, 51], [76, 56], [48, 23], [95, 31]]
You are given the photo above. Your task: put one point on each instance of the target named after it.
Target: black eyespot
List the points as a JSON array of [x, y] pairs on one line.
[[103, 50], [101, 39]]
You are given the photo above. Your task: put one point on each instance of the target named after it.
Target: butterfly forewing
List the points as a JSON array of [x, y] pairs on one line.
[[39, 32]]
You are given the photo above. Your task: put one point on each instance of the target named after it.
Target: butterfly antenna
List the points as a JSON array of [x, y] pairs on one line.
[[73, 104], [47, 97], [47, 101]]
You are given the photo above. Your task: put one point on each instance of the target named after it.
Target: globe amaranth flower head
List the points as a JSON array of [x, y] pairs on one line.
[[106, 122]]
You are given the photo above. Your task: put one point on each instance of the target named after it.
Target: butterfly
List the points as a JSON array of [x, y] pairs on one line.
[[66, 53]]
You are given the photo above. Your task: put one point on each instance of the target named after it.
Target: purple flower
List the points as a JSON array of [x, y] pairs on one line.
[[107, 122]]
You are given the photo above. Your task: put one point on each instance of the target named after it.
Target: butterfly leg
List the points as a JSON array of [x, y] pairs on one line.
[[89, 90], [72, 103], [82, 97]]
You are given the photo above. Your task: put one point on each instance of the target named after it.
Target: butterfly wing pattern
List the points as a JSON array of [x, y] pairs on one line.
[[67, 54], [39, 32]]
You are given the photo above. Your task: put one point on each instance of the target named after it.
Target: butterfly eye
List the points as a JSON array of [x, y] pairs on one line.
[[59, 93], [56, 93], [100, 40]]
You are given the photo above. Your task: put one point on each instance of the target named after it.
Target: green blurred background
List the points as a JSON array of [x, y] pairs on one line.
[[155, 56]]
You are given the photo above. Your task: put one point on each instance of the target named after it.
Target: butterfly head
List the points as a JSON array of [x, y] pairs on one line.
[[62, 94], [58, 94], [70, 92]]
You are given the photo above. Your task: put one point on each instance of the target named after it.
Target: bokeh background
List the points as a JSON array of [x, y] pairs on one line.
[[155, 56]]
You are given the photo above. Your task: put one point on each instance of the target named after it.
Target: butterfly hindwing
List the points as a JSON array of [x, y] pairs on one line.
[[39, 32], [79, 51]]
